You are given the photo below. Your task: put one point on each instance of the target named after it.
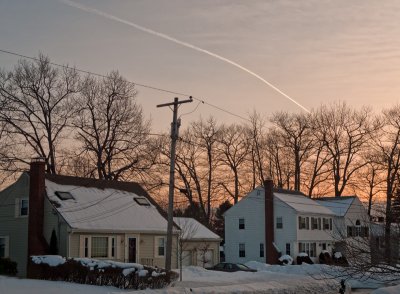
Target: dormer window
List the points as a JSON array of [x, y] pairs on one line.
[[142, 201], [64, 195]]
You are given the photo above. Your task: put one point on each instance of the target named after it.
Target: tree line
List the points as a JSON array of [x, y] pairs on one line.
[[93, 127]]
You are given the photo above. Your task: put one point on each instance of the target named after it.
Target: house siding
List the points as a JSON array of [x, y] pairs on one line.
[[145, 252], [194, 246], [251, 209], [16, 228], [288, 234]]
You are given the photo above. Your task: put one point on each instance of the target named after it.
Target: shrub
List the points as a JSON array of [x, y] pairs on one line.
[[101, 273], [285, 260], [303, 258], [325, 257], [340, 259], [8, 267]]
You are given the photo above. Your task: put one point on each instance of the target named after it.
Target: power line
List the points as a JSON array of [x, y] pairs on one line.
[[134, 83]]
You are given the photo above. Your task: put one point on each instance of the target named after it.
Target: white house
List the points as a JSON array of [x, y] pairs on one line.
[[270, 222], [351, 227]]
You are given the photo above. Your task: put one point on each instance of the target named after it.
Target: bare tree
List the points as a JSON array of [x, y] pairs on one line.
[[233, 148], [37, 103], [387, 145], [111, 127], [296, 132], [257, 150], [345, 133]]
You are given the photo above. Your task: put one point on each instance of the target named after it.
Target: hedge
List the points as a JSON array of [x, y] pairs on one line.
[[8, 267], [95, 272]]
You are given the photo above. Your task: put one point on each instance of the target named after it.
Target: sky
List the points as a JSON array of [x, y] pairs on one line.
[[315, 51]]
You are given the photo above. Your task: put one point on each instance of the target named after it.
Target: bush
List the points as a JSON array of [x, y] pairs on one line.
[[285, 260], [325, 258], [102, 273], [8, 267], [303, 258], [340, 259]]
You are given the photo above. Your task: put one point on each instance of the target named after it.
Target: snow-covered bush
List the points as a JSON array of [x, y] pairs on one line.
[[285, 260], [303, 258], [340, 259], [99, 272]]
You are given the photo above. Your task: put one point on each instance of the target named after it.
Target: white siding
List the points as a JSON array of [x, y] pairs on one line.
[[288, 233], [251, 208]]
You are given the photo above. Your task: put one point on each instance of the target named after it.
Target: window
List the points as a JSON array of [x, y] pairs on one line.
[[319, 223], [64, 195], [287, 248], [279, 223], [261, 249], [314, 223], [309, 248], [304, 223], [3, 247], [21, 207], [99, 247], [241, 223], [86, 247], [142, 201], [113, 241], [326, 223], [160, 246], [24, 207], [242, 250]]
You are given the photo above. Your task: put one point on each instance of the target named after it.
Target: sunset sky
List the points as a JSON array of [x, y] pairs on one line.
[[314, 51]]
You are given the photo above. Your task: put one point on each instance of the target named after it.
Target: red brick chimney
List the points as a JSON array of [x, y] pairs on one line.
[[272, 254], [37, 244]]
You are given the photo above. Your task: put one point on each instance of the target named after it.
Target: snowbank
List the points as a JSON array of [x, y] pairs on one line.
[[388, 290]]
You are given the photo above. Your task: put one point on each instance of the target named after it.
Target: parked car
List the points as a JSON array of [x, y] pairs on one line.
[[231, 267]]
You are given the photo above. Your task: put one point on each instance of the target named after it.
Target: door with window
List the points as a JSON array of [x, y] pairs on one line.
[[132, 249]]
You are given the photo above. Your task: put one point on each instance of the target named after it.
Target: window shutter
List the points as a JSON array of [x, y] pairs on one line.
[[16, 207], [81, 246], [118, 248]]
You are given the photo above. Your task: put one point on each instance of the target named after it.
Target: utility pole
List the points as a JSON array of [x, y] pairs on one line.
[[174, 137]]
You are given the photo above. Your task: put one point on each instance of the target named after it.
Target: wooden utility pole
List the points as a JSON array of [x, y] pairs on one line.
[[174, 137]]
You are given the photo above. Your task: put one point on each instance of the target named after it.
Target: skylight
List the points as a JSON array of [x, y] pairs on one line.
[[64, 195], [142, 201]]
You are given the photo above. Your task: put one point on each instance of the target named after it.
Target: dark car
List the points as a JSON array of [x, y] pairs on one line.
[[231, 267]]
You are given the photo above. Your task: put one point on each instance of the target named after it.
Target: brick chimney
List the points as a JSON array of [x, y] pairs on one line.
[[272, 254], [37, 244]]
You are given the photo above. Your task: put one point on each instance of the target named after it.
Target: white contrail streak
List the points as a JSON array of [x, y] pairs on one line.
[[169, 38]]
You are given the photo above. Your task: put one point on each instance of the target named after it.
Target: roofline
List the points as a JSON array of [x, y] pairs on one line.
[[219, 239], [327, 198], [113, 231], [338, 198]]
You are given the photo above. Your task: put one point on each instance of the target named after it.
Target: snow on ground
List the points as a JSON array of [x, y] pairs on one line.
[[388, 290], [299, 279]]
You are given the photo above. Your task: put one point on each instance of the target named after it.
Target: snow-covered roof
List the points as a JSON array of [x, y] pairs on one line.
[[338, 205], [302, 203], [98, 205], [193, 230]]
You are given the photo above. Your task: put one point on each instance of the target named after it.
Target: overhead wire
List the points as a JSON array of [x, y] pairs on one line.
[[134, 83]]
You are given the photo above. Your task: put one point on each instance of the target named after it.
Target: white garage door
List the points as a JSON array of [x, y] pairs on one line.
[[186, 258], [205, 258]]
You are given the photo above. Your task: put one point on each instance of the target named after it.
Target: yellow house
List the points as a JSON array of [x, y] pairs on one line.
[[90, 218]]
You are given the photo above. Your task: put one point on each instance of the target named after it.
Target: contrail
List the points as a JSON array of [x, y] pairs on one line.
[[182, 43]]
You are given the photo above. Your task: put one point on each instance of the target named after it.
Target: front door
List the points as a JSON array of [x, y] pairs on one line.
[[132, 249]]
